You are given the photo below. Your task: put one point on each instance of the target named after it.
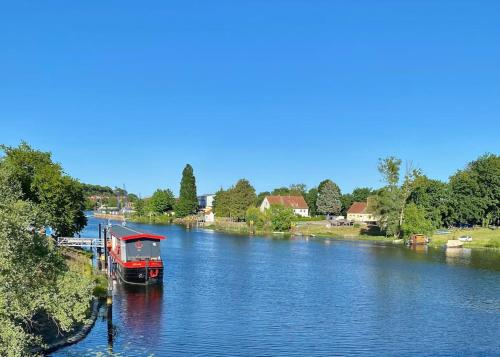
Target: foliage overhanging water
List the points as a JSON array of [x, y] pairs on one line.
[[234, 295]]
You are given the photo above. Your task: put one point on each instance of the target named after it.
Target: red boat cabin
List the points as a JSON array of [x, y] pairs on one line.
[[136, 255]]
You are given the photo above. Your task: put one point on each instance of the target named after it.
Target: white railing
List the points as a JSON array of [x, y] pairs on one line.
[[80, 242]]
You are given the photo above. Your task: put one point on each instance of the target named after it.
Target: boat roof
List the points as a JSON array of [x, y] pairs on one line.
[[126, 233]]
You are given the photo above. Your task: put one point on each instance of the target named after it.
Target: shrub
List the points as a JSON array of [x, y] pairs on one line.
[[281, 217], [255, 218], [415, 221]]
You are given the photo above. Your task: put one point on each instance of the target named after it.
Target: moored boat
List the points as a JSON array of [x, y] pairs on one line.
[[135, 255], [418, 239], [454, 243], [465, 239]]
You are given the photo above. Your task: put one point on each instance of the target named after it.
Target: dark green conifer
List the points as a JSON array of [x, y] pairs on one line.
[[188, 202]]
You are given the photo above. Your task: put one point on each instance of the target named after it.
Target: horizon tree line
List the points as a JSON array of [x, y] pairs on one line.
[[470, 197]]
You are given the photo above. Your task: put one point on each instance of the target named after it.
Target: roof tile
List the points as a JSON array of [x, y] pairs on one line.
[[295, 202], [357, 207]]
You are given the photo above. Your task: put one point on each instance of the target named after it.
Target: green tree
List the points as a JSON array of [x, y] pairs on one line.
[[222, 203], [44, 183], [389, 203], [311, 200], [140, 207], [34, 278], [298, 189], [433, 197], [415, 221], [188, 201], [281, 217], [62, 199], [161, 201], [110, 201], [89, 204], [328, 201], [281, 191], [255, 218], [361, 194], [242, 196], [475, 192], [132, 197], [346, 201], [235, 201], [91, 190], [260, 197]]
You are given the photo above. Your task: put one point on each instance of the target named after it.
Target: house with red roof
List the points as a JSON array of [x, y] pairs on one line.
[[297, 203], [358, 213]]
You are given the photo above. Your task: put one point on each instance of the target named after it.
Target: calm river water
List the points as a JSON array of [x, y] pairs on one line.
[[226, 295]]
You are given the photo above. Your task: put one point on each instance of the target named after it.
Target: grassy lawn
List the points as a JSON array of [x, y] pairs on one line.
[[481, 238], [233, 227], [340, 232], [160, 219]]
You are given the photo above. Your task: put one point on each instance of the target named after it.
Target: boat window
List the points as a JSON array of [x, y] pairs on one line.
[[142, 249]]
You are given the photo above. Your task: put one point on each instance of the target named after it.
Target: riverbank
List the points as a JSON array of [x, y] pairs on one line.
[[116, 217], [304, 229], [484, 238], [209, 271], [481, 238], [74, 336], [321, 230], [161, 219], [52, 338]]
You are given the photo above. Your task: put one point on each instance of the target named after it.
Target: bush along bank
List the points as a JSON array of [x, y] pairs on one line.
[[41, 292], [52, 338]]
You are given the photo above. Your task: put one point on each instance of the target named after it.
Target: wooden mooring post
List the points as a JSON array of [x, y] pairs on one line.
[[105, 249], [108, 266]]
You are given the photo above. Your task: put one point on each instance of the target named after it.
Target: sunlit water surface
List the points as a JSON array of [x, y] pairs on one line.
[[227, 295]]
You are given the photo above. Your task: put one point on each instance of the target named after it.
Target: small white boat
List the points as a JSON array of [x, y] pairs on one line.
[[465, 239]]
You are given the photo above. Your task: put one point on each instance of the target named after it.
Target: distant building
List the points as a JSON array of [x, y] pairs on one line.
[[209, 216], [206, 201], [108, 210], [358, 213], [127, 210], [297, 203]]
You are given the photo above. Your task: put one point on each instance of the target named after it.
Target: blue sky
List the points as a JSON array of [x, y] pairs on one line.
[[278, 92]]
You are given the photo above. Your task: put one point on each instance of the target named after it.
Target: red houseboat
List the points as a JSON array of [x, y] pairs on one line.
[[135, 255]]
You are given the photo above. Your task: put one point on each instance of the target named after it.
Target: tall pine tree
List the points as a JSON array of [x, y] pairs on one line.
[[188, 202], [328, 201]]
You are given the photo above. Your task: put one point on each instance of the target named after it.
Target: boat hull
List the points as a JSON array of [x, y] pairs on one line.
[[139, 276]]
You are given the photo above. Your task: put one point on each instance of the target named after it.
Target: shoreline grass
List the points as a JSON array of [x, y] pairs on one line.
[[159, 219], [482, 238]]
